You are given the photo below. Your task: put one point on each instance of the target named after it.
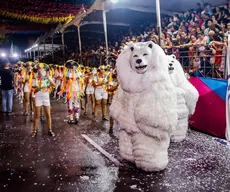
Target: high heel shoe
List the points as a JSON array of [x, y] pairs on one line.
[[51, 133], [34, 134], [76, 120]]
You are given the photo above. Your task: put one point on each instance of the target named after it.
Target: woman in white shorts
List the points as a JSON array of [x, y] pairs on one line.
[[42, 99], [101, 94], [27, 88], [89, 79]]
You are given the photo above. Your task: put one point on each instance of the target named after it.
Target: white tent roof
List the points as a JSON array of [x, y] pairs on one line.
[[168, 7]]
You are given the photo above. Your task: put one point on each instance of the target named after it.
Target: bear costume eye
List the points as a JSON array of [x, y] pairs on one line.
[[135, 56], [145, 54]]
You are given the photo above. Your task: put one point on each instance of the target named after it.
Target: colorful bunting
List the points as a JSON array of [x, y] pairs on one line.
[[40, 11]]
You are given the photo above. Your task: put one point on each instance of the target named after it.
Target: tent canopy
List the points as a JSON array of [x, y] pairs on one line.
[[166, 5], [119, 17]]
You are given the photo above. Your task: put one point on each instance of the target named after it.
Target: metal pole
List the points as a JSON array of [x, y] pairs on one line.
[[79, 39], [27, 55], [227, 60], [34, 54], [38, 51], [158, 14], [44, 47], [52, 47], [30, 54], [106, 37], [63, 43]]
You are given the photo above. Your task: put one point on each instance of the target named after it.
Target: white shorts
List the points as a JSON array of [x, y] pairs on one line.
[[58, 83], [26, 88], [89, 90], [42, 99], [100, 93]]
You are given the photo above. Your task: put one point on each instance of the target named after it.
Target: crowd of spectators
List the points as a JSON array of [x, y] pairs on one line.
[[198, 38]]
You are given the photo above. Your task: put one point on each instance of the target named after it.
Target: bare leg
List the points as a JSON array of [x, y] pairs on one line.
[[49, 121], [93, 102], [86, 103], [26, 102], [48, 116], [97, 104], [36, 117], [104, 109]]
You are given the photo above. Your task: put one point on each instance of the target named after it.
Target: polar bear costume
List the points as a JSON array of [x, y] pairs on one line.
[[144, 106], [187, 97]]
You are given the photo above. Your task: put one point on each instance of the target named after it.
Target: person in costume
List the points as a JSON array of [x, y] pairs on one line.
[[16, 78], [89, 80], [112, 88], [20, 84], [27, 82], [71, 86], [144, 106], [34, 77], [101, 93], [82, 81], [43, 82], [58, 76]]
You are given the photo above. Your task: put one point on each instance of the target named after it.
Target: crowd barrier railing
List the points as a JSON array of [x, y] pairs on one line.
[[198, 63]]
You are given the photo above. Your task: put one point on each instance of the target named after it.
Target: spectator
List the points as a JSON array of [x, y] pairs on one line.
[[208, 28], [198, 8], [7, 89], [218, 14]]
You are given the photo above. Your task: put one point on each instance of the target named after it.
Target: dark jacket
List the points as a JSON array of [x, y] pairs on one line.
[[7, 78]]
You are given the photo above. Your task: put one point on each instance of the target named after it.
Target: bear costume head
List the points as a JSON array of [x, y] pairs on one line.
[[176, 71], [178, 78], [141, 64]]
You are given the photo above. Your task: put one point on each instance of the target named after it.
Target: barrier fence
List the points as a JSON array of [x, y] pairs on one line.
[[197, 63]]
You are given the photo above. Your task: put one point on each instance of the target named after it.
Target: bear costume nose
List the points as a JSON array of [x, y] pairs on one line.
[[139, 61], [170, 64]]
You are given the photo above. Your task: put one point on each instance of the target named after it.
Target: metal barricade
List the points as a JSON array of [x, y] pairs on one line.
[[200, 64]]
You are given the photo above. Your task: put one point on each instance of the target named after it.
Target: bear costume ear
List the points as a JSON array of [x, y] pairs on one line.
[[150, 45], [132, 48]]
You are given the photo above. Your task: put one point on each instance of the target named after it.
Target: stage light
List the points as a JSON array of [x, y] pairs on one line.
[[36, 45], [3, 55], [15, 55], [114, 1]]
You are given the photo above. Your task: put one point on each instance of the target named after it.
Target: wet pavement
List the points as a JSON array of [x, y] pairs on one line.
[[68, 163]]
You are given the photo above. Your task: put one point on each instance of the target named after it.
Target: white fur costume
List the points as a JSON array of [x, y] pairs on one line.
[[187, 97], [144, 106]]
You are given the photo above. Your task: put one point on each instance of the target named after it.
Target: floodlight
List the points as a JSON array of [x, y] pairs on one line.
[[3, 55], [15, 55], [114, 1]]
